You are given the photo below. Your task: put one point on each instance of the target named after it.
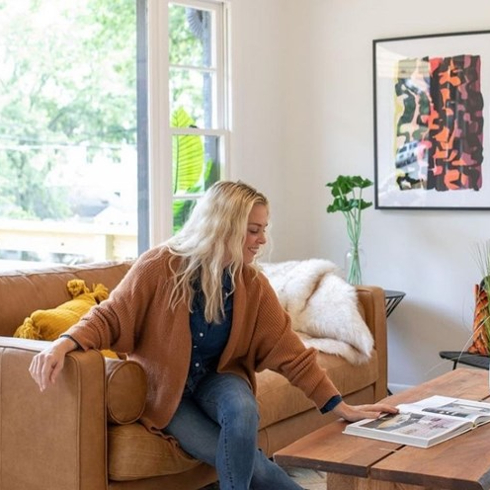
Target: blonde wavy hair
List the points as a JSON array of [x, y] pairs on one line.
[[212, 239]]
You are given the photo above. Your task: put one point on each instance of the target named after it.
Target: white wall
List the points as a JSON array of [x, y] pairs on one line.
[[303, 113]]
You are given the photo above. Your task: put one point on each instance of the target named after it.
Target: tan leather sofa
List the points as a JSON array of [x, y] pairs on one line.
[[83, 433]]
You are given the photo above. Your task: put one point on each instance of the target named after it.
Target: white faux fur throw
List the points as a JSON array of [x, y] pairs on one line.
[[322, 306]]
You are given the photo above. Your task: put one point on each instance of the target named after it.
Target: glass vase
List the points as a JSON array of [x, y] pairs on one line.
[[354, 261]]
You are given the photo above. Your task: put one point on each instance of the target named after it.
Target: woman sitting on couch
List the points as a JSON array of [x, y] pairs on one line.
[[201, 319]]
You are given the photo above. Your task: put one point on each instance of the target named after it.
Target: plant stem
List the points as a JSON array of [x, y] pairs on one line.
[[353, 262], [353, 219]]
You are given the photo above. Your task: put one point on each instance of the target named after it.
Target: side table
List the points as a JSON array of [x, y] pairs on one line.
[[465, 357], [392, 299]]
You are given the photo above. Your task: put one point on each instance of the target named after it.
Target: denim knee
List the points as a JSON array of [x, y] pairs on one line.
[[228, 397], [242, 410]]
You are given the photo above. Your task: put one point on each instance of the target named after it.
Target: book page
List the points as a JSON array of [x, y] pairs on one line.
[[476, 412], [412, 424]]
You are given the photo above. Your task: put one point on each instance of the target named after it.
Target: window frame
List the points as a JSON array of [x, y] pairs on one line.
[[160, 133]]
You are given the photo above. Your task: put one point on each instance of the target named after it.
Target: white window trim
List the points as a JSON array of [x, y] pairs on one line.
[[159, 150], [159, 131]]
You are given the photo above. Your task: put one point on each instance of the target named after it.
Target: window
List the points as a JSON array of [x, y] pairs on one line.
[[188, 61], [114, 121], [68, 134]]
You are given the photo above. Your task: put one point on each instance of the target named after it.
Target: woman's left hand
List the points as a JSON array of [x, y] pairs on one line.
[[352, 413]]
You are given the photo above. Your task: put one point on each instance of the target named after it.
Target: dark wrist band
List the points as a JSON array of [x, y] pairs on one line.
[[331, 404], [66, 336]]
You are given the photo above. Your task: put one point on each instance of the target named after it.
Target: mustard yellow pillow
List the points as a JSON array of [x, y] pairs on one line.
[[50, 324]]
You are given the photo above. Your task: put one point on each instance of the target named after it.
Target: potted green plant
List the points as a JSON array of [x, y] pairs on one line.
[[481, 324], [347, 198]]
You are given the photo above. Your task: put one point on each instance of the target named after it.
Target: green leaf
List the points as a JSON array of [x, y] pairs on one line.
[[343, 190], [181, 212], [187, 154], [364, 204], [340, 203], [359, 182]]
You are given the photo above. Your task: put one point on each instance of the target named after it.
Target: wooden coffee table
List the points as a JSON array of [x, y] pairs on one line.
[[356, 463]]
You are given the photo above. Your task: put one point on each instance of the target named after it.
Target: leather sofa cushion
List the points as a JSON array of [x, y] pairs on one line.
[[136, 453], [126, 391], [279, 400]]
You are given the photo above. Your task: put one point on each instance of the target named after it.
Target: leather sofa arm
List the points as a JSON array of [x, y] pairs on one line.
[[372, 302], [55, 439]]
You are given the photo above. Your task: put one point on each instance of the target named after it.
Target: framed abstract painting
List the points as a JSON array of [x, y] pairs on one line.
[[432, 121]]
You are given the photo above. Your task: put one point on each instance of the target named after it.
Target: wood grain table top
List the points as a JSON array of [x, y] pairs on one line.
[[460, 463]]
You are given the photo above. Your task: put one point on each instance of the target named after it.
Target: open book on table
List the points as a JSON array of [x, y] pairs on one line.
[[426, 422]]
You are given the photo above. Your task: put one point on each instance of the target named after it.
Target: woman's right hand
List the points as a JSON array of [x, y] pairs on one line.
[[46, 366]]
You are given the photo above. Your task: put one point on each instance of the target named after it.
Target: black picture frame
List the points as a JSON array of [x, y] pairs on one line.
[[432, 121]]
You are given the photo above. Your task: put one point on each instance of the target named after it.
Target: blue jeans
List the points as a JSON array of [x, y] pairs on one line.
[[217, 423]]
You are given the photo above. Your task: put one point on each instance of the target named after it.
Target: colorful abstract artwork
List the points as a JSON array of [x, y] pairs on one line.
[[430, 131], [439, 126]]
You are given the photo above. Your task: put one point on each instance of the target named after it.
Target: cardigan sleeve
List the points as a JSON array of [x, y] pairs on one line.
[[278, 347]]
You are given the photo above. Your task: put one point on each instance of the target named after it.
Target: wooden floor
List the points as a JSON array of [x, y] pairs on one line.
[[308, 479]]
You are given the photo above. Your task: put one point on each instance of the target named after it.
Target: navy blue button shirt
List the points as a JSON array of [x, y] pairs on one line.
[[208, 339]]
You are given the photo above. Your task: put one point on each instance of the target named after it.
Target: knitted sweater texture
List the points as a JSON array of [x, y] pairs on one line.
[[136, 319]]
